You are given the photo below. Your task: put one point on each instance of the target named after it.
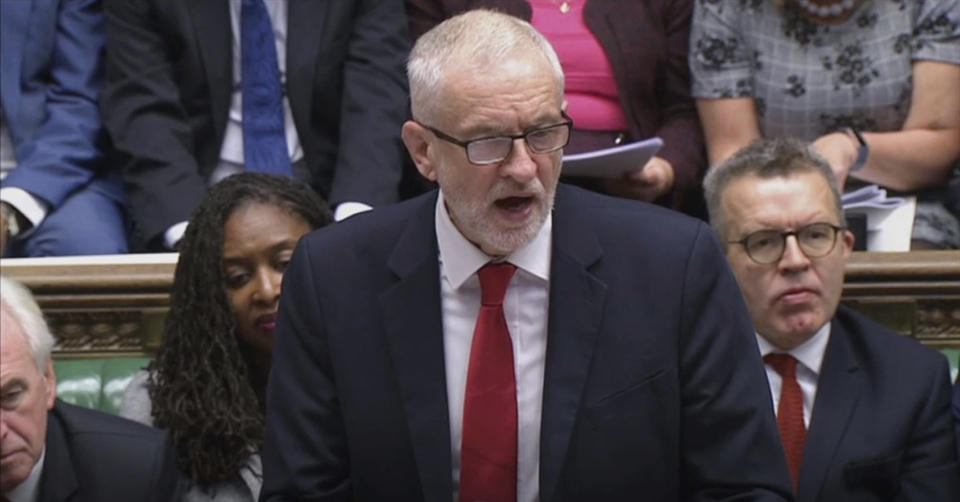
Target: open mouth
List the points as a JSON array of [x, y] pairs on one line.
[[514, 204]]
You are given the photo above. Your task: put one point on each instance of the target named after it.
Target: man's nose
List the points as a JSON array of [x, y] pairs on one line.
[[793, 257], [520, 165]]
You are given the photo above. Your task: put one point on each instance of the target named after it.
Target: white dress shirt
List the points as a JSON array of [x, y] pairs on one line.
[[525, 308], [29, 489], [809, 356]]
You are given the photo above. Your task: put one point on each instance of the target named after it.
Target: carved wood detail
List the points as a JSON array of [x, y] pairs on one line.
[[106, 309]]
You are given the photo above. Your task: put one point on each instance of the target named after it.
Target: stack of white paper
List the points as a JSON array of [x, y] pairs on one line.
[[889, 219], [870, 196]]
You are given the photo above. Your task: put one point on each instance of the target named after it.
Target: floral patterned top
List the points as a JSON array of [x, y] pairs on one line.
[[809, 79]]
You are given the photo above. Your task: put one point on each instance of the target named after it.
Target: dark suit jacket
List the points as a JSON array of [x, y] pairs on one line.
[[170, 78], [96, 457], [653, 386], [956, 411], [880, 428], [51, 55], [646, 43]]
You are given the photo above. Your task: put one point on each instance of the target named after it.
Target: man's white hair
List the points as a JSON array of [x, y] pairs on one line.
[[17, 302], [478, 38]]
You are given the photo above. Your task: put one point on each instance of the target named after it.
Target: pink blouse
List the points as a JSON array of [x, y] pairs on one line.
[[591, 90]]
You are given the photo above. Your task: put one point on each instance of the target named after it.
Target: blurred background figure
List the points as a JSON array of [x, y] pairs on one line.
[[54, 451], [828, 70], [206, 385], [626, 80], [58, 195], [197, 91]]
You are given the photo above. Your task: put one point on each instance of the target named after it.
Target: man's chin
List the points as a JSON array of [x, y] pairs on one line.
[[14, 470]]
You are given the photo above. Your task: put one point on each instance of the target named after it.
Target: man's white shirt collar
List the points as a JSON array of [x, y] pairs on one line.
[[461, 258], [809, 353]]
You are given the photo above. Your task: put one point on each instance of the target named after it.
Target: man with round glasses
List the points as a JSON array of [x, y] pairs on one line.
[[507, 338], [863, 412]]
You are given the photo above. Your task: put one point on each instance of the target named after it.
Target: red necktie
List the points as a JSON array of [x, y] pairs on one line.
[[488, 454], [790, 412]]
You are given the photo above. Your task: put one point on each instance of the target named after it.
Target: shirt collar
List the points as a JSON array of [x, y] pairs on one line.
[[28, 491], [809, 353], [461, 258]]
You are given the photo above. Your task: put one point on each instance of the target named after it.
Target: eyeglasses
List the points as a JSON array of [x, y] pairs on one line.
[[494, 149], [766, 246]]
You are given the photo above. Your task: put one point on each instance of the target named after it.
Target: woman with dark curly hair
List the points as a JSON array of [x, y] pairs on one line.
[[206, 386]]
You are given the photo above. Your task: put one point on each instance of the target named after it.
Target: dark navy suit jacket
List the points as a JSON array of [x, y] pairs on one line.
[[170, 81], [96, 457], [653, 385], [50, 52], [880, 428]]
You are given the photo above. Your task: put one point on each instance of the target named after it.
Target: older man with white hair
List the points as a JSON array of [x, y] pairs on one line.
[[53, 451], [507, 338]]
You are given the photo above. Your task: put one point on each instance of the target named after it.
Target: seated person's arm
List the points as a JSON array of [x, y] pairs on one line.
[[729, 124], [144, 113], [924, 152]]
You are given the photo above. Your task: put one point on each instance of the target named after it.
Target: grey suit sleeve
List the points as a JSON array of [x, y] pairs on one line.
[[730, 445]]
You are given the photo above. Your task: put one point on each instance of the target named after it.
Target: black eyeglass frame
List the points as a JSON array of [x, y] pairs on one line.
[[568, 122], [837, 229]]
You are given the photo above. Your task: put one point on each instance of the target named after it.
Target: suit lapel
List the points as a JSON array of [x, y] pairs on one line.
[[576, 306], [305, 19], [414, 331], [838, 388], [58, 480], [211, 27]]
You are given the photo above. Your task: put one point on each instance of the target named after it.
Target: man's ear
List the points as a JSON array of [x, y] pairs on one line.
[[847, 240], [417, 140], [50, 378]]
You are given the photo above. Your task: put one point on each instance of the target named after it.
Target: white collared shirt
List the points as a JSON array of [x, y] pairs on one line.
[[809, 356], [525, 308], [29, 489]]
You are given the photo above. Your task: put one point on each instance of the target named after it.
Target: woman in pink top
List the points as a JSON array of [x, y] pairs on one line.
[[626, 80]]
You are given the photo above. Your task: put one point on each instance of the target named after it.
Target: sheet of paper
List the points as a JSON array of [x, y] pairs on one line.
[[870, 196], [889, 229], [611, 162]]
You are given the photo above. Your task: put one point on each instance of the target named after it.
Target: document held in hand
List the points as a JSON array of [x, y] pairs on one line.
[[611, 162]]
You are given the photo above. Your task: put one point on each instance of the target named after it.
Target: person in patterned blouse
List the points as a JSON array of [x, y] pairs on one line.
[[827, 70]]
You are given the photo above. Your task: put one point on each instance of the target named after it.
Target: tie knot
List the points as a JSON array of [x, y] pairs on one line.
[[784, 364], [494, 278]]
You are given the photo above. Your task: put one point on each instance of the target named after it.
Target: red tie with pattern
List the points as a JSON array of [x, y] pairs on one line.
[[790, 412], [488, 453]]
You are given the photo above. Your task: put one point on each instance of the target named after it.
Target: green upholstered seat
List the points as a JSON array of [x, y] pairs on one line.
[[96, 383], [953, 355]]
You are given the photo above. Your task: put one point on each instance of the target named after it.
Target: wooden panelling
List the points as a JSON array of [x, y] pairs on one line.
[[103, 306]]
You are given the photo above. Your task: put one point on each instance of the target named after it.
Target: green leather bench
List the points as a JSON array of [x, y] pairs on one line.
[[99, 383], [96, 383]]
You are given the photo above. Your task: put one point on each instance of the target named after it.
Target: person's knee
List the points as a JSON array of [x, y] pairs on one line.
[[86, 224]]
